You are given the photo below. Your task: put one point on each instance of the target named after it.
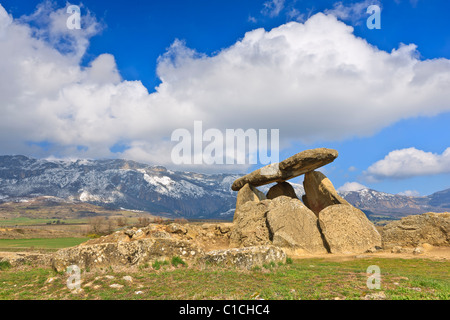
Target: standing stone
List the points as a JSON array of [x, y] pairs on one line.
[[281, 189], [319, 192], [292, 167], [249, 225], [248, 193], [347, 229], [294, 226]]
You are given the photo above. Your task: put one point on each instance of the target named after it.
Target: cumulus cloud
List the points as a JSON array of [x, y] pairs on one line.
[[314, 81], [351, 186], [410, 162]]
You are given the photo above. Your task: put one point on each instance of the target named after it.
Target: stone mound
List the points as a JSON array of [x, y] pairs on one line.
[[137, 246], [412, 231]]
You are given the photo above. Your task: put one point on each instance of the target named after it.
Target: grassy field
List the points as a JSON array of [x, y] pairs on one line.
[[40, 243], [303, 279], [26, 221]]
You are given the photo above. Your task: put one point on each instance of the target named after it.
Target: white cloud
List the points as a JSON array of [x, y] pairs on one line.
[[313, 81], [272, 8], [351, 186], [410, 162], [353, 12], [409, 193]]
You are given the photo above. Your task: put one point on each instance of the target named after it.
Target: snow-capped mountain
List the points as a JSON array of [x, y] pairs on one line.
[[118, 184], [135, 186], [381, 204]]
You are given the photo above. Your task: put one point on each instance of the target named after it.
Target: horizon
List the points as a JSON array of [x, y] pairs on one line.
[[118, 87]]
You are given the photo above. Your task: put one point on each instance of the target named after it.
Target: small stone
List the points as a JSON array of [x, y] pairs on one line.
[[50, 280], [129, 232], [116, 286], [418, 250], [376, 296], [128, 278], [77, 291], [139, 292]]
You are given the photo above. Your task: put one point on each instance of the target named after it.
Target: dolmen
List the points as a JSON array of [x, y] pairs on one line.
[[321, 222]]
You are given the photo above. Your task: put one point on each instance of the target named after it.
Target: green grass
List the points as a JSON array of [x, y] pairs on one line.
[[5, 265], [40, 243], [177, 261], [25, 221], [302, 279]]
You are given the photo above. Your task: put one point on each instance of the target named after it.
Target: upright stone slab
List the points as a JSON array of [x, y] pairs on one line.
[[347, 229], [248, 193], [320, 192], [294, 226], [292, 167], [281, 189], [249, 225]]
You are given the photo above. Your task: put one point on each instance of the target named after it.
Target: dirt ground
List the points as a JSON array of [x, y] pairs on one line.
[[429, 252]]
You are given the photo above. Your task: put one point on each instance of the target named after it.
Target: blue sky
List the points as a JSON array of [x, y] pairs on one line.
[[139, 64]]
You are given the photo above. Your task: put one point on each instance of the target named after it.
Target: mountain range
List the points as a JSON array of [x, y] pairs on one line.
[[124, 184]]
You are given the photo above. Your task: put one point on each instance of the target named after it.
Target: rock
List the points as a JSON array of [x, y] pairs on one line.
[[245, 258], [398, 249], [116, 286], [281, 189], [139, 234], [320, 192], [248, 193], [418, 250], [250, 227], [20, 258], [130, 232], [347, 229], [176, 228], [293, 225], [373, 249], [292, 167], [128, 278], [122, 253], [225, 228], [375, 296], [412, 231]]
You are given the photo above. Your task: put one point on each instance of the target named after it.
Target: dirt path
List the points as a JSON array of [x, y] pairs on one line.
[[429, 252]]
